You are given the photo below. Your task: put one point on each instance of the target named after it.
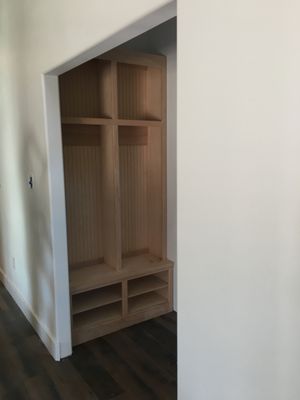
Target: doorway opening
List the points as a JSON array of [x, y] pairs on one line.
[[160, 40]]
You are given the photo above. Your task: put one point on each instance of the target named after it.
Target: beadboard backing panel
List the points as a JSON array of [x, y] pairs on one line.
[[83, 188], [132, 83], [155, 94], [134, 203], [139, 92]]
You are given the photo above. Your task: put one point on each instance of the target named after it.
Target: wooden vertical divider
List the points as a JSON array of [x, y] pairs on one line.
[[111, 218], [157, 215], [163, 104], [125, 298], [155, 192], [105, 94], [154, 90], [111, 185], [114, 84], [170, 286]]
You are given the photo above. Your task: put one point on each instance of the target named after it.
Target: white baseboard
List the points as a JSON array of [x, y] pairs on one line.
[[45, 336]]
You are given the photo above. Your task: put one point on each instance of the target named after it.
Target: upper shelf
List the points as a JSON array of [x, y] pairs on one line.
[[108, 121]]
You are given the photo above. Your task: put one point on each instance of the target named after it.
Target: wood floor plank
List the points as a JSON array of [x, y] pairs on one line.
[[68, 382], [168, 322], [152, 374], [159, 354], [3, 304], [119, 369], [97, 377], [38, 388], [138, 363]]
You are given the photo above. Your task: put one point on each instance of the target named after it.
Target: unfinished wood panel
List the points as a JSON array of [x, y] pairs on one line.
[[135, 122], [111, 218], [86, 121], [128, 56], [82, 166], [105, 88], [85, 278], [96, 298], [164, 157], [154, 90], [84, 92], [132, 86], [134, 202], [109, 121], [155, 193], [171, 286], [103, 314], [114, 87], [113, 116], [145, 301], [86, 331], [90, 135], [124, 298], [145, 284]]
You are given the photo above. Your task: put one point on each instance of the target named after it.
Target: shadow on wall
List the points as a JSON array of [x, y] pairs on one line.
[[37, 233]]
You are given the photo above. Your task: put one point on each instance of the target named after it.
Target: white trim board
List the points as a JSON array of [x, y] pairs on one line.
[[41, 330]]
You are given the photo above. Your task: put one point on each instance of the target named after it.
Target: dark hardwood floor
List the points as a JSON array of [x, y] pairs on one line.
[[136, 363]]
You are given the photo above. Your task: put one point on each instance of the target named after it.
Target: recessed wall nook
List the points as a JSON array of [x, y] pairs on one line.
[[114, 148]]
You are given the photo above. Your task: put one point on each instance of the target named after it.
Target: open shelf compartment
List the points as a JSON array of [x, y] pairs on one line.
[[96, 298], [142, 192], [86, 91], [139, 92], [102, 315], [147, 301], [148, 283], [91, 218], [90, 277]]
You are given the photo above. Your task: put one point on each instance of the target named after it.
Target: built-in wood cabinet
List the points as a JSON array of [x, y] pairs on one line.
[[114, 142]]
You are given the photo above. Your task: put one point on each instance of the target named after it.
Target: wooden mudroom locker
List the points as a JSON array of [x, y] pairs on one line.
[[113, 112]]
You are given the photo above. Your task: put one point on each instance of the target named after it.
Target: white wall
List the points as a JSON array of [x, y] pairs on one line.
[[35, 37], [239, 200], [162, 40], [238, 179]]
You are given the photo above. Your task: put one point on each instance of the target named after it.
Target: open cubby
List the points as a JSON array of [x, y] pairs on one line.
[[133, 161], [145, 284], [139, 88], [96, 298], [145, 301], [113, 135], [103, 315], [88, 175], [141, 190], [86, 91]]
